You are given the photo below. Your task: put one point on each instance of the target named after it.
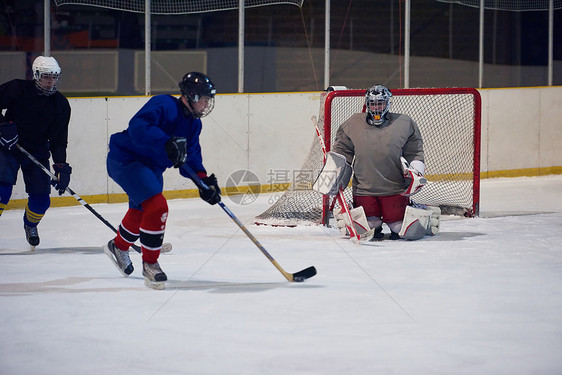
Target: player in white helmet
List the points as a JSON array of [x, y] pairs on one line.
[[46, 74], [36, 118], [386, 150]]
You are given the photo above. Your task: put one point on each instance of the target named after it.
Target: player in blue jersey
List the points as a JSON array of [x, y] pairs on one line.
[[36, 118], [164, 133]]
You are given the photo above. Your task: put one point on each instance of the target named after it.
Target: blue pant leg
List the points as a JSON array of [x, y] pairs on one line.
[[5, 194], [9, 167], [139, 181]]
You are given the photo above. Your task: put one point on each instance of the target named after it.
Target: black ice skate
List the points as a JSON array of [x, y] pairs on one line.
[[154, 276], [394, 236], [32, 235], [378, 235], [119, 258]]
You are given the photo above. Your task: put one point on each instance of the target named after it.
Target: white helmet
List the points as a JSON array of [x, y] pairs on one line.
[[377, 102], [46, 74]]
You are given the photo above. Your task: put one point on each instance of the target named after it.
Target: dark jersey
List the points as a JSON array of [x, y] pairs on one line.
[[42, 121], [155, 123]]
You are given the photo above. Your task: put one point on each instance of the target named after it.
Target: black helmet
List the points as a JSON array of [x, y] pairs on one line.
[[194, 86]]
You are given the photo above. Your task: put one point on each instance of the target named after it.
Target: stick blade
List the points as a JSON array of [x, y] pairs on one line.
[[307, 273]]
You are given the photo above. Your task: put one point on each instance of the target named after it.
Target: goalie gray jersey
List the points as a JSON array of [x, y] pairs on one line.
[[374, 152]]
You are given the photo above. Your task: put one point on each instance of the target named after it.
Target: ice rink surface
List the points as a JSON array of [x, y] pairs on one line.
[[482, 297]]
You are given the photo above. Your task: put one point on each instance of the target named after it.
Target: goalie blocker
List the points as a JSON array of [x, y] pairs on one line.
[[335, 174]]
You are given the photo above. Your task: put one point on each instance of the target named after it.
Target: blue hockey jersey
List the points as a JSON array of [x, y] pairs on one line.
[[155, 123]]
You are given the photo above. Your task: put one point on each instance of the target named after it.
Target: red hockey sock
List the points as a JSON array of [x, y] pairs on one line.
[[128, 231], [152, 227]]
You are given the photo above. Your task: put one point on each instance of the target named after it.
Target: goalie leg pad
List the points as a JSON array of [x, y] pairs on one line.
[[342, 223], [415, 223], [435, 218], [360, 222], [359, 219]]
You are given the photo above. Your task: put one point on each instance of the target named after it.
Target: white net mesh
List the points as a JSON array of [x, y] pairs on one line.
[[449, 120], [510, 5], [175, 6]]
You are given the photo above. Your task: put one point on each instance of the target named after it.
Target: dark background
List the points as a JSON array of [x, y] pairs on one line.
[[437, 29]]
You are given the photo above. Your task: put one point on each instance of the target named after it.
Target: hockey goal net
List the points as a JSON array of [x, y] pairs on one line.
[[449, 121]]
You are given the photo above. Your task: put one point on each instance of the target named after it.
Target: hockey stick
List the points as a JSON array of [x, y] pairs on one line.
[[71, 192], [300, 276], [356, 237]]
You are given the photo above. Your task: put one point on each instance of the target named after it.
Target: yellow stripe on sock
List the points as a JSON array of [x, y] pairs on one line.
[[32, 216], [2, 207]]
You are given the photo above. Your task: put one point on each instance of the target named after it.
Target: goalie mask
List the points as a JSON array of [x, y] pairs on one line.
[[200, 92], [46, 74], [377, 103]]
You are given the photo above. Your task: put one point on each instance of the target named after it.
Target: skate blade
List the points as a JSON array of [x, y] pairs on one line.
[[32, 248], [158, 285]]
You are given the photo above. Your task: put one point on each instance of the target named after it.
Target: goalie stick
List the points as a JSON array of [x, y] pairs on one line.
[[353, 234], [166, 247], [300, 276]]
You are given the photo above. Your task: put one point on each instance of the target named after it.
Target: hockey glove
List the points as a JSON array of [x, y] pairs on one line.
[[176, 148], [212, 195], [335, 174], [62, 171], [8, 134], [413, 179]]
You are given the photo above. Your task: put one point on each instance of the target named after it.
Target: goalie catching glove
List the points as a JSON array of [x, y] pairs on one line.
[[413, 176]]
